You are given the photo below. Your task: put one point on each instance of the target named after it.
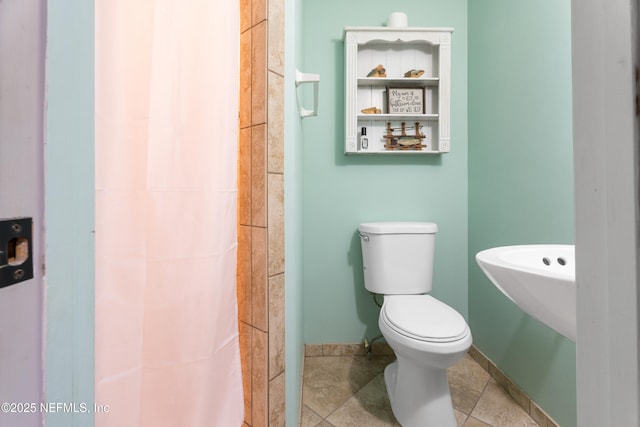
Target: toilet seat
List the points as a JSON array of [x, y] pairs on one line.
[[423, 318]]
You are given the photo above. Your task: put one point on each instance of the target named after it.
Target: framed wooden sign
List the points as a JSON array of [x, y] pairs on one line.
[[405, 100]]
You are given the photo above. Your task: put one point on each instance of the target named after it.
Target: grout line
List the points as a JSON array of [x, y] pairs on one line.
[[466, 416], [341, 404], [353, 395], [500, 377], [475, 404]]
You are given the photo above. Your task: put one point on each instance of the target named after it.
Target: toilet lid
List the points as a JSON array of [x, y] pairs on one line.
[[424, 318]]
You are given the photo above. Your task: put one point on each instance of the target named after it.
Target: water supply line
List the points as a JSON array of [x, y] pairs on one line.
[[367, 343]]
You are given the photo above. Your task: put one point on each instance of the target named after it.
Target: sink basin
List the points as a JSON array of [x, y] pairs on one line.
[[540, 279]]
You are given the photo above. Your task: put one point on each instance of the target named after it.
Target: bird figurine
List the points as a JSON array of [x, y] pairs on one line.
[[379, 71]]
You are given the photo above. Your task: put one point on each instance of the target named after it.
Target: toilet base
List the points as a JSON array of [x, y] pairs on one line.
[[419, 396]]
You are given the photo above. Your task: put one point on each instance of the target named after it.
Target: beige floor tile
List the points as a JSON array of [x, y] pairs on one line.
[[325, 385], [376, 364], [328, 382], [496, 408], [467, 379], [368, 407], [346, 391], [472, 422], [461, 417], [308, 418]]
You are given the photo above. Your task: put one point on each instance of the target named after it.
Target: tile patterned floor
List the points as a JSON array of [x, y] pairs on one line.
[[349, 391]]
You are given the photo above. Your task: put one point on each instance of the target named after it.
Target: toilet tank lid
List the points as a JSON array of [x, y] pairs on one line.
[[399, 227]]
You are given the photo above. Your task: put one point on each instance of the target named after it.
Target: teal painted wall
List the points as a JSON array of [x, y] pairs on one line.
[[294, 341], [339, 191], [69, 202], [521, 180]]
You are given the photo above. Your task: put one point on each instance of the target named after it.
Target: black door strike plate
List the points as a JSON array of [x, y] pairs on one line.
[[16, 251]]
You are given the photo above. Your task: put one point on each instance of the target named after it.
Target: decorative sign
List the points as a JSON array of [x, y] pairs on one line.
[[405, 100]]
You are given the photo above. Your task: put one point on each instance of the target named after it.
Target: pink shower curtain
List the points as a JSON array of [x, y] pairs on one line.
[[166, 333]]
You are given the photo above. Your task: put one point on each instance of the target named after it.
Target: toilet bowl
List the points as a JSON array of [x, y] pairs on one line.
[[425, 347], [426, 335]]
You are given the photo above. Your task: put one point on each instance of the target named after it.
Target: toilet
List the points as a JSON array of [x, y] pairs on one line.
[[426, 335]]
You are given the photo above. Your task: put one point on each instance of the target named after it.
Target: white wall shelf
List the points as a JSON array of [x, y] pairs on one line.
[[398, 50], [385, 81], [397, 117]]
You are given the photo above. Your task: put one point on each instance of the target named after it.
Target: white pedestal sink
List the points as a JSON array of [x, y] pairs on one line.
[[540, 279]]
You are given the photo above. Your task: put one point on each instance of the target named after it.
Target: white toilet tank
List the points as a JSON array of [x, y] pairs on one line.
[[397, 257]]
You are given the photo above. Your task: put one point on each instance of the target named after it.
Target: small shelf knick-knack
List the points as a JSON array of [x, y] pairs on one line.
[[379, 71], [404, 141], [371, 110], [414, 73]]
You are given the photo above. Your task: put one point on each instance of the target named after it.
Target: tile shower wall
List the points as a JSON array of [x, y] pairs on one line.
[[260, 273]]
